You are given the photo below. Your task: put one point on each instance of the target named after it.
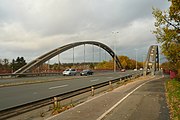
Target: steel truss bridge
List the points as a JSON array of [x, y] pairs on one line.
[[152, 60]]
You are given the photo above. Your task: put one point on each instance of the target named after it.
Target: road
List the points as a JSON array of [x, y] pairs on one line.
[[146, 103], [17, 95], [142, 99], [37, 79]]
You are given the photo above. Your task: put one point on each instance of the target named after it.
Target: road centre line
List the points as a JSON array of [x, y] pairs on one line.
[[109, 77], [55, 87], [94, 80], [114, 106]]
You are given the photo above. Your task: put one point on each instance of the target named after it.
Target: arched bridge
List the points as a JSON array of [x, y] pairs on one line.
[[42, 59], [152, 60]]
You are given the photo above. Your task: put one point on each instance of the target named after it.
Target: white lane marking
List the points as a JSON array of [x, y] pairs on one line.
[[94, 80], [77, 106], [58, 87], [108, 111], [35, 93], [109, 77]]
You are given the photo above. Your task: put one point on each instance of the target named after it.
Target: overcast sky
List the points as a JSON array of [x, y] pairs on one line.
[[30, 28]]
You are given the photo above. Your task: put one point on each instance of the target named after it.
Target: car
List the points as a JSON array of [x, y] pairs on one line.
[[69, 72], [123, 70], [86, 72]]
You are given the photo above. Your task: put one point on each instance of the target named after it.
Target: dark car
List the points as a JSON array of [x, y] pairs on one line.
[[86, 72]]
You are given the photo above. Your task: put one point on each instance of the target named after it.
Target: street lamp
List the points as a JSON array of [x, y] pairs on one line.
[[73, 56], [84, 55], [115, 50], [144, 60], [136, 58]]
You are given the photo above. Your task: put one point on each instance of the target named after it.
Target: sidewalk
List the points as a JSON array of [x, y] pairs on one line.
[[134, 100]]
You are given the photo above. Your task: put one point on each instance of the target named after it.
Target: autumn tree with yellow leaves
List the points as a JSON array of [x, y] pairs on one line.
[[167, 32]]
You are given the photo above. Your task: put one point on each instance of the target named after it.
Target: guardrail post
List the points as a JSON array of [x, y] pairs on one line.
[[129, 78], [55, 102], [120, 80], [110, 85], [92, 91]]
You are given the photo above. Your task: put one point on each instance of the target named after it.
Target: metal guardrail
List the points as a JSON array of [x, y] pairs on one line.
[[6, 75], [10, 112]]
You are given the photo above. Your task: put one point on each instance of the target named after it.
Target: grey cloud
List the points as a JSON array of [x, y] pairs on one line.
[[68, 16], [37, 26]]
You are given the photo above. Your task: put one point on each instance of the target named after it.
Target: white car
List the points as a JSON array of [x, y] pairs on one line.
[[69, 72]]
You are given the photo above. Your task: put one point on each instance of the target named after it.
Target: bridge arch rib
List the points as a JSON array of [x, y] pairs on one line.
[[45, 57], [152, 60]]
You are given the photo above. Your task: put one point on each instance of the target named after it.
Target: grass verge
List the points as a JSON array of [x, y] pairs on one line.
[[173, 98]]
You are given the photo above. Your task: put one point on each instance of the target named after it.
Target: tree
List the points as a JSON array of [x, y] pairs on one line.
[[18, 63], [105, 65], [1, 64], [6, 64], [124, 61], [167, 32]]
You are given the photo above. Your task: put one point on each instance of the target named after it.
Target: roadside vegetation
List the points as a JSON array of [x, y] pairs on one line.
[[173, 98], [167, 32], [8, 67], [126, 63]]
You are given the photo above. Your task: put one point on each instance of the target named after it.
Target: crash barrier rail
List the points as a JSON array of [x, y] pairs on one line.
[[14, 111], [8, 75], [11, 75]]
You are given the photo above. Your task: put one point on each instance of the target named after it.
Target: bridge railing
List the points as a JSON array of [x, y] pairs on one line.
[[10, 112]]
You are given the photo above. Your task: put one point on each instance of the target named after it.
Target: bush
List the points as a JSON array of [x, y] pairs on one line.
[[173, 97]]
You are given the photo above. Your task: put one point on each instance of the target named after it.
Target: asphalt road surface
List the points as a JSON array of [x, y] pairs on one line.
[[4, 81], [142, 99], [146, 103], [17, 95]]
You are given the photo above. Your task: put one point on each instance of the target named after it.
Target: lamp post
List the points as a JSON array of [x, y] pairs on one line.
[[93, 55], [115, 50], [84, 56], [144, 59], [73, 56], [48, 66], [136, 58], [58, 61]]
